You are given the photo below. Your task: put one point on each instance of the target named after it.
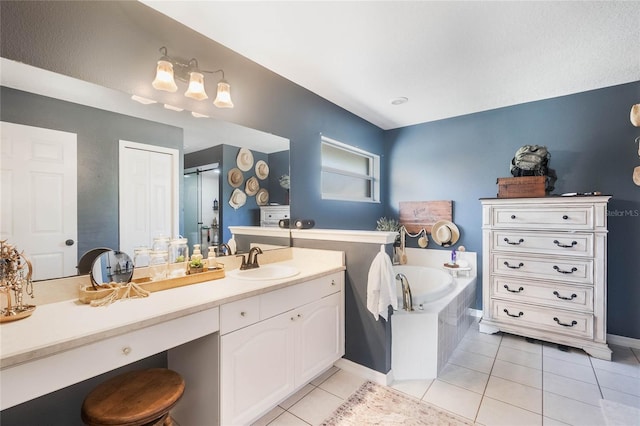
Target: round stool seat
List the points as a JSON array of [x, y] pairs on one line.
[[133, 399]]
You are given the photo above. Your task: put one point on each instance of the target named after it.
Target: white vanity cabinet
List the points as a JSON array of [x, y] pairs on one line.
[[545, 270], [273, 344]]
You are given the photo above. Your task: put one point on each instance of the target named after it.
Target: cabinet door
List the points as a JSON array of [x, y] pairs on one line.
[[256, 369], [320, 336]]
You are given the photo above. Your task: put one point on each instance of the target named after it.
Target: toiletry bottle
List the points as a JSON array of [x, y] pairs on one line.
[[454, 257]]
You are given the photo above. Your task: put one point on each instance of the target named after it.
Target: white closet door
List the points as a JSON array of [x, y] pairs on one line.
[[148, 194], [38, 193]]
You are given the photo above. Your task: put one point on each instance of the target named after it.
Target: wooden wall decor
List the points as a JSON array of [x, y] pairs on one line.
[[416, 215]]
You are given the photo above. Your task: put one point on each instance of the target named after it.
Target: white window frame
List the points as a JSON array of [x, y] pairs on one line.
[[373, 177]]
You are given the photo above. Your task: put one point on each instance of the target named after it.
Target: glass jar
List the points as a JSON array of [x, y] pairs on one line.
[[178, 250], [178, 257], [158, 264], [141, 256], [161, 244]]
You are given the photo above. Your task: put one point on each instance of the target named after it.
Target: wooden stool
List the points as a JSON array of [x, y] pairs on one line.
[[136, 398]]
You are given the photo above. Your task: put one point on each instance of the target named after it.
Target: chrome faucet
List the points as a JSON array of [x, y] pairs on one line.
[[407, 300]]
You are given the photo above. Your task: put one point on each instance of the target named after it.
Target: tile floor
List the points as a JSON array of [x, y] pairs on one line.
[[497, 379]]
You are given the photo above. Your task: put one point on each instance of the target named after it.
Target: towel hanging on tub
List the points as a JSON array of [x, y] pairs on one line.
[[381, 286]]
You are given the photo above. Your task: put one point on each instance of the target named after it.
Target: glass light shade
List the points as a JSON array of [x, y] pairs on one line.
[[196, 87], [164, 77], [223, 98]]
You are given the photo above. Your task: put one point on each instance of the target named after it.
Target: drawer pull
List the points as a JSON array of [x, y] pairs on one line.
[[333, 282], [506, 311], [126, 350], [574, 322], [520, 241], [574, 269], [565, 298], [565, 217], [243, 314], [513, 216], [559, 244], [520, 265], [513, 291]]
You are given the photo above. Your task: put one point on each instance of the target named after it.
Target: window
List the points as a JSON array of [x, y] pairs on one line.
[[349, 173]]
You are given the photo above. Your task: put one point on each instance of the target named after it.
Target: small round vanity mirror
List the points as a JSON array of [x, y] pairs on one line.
[[111, 267]]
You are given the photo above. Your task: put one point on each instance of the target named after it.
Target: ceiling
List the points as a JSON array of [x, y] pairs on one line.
[[447, 58]]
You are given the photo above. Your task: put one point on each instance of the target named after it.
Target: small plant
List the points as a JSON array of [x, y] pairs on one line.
[[196, 264], [387, 224]]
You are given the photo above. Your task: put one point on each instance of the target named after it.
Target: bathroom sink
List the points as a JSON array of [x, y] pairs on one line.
[[265, 272]]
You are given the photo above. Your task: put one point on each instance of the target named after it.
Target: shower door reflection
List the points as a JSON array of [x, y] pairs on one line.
[[201, 206]]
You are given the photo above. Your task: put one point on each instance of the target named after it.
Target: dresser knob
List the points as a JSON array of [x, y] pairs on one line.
[[126, 350], [513, 216], [243, 314], [565, 217]]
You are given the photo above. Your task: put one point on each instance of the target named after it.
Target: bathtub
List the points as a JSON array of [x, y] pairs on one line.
[[423, 340], [427, 284]]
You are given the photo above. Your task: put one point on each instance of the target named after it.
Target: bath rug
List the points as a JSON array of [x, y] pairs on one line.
[[373, 404]]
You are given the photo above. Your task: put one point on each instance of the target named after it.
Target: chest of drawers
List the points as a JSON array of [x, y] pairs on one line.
[[545, 270]]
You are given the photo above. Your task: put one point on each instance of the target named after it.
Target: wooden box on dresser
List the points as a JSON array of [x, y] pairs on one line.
[[545, 270]]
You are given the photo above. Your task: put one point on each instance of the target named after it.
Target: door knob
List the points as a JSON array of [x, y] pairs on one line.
[[69, 242]]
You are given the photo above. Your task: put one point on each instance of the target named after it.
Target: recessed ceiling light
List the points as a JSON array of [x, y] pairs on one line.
[[399, 101], [142, 100], [173, 108]]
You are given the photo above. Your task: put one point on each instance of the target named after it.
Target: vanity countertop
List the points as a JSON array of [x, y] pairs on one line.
[[64, 325]]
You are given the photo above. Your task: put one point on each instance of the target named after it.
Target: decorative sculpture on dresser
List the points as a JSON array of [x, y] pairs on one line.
[[15, 277]]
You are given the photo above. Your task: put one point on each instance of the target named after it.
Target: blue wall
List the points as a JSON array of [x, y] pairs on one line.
[[591, 142]]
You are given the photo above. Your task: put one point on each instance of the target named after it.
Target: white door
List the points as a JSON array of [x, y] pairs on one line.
[[256, 369], [319, 337], [38, 194], [148, 194]]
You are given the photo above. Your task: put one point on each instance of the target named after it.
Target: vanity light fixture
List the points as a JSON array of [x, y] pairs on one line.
[[169, 68]]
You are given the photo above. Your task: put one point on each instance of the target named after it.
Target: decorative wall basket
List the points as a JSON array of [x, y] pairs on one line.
[[15, 280]]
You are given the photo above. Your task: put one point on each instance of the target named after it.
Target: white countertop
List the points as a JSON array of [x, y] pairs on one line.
[[59, 326]]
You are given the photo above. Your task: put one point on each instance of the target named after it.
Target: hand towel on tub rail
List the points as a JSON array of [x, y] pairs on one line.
[[381, 286]]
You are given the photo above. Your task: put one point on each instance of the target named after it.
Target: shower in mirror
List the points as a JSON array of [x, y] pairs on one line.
[[201, 206]]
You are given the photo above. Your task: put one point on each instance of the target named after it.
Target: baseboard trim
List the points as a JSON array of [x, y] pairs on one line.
[[628, 342], [477, 313], [364, 372]]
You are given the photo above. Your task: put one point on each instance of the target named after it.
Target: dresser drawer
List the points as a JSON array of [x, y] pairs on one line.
[[558, 321], [558, 269], [565, 296], [554, 243], [556, 217], [238, 314]]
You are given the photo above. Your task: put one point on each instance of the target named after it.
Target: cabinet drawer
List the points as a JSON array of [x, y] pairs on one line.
[[278, 301], [550, 319], [564, 296], [556, 217], [239, 314], [558, 269], [558, 243]]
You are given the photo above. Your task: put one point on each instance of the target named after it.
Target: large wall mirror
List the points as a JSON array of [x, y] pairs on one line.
[[101, 117]]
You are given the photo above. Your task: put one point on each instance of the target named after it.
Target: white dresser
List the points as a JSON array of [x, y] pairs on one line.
[[545, 270]]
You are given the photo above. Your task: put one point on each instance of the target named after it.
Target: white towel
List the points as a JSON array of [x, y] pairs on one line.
[[381, 286]]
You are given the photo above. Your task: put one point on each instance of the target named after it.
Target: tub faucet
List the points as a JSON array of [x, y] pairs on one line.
[[407, 300]]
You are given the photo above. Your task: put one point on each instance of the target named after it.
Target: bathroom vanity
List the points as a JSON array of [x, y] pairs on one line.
[[545, 270], [242, 345]]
